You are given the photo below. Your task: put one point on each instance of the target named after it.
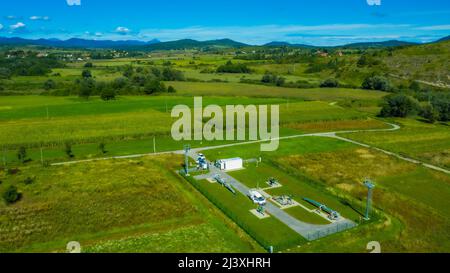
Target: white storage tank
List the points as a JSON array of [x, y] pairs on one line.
[[231, 164]]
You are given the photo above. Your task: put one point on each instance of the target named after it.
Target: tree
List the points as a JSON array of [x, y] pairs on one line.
[[102, 147], [273, 79], [128, 71], [329, 83], [171, 89], [5, 73], [68, 150], [230, 67], [86, 88], [11, 195], [154, 86], [399, 105], [377, 83], [429, 113], [49, 84], [170, 74], [108, 94], [441, 103], [22, 154], [86, 74]]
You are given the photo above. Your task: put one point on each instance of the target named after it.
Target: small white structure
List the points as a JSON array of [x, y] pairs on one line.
[[230, 164]]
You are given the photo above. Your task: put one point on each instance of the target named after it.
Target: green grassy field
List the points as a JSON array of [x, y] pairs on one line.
[[268, 232], [426, 142], [321, 168], [104, 205], [143, 205]]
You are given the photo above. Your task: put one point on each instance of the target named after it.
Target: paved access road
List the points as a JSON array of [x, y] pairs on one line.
[[306, 230]]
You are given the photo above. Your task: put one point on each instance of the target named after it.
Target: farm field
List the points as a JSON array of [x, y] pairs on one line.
[[129, 124], [426, 142], [96, 209]]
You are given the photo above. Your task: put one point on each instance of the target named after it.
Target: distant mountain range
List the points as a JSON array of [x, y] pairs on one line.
[[75, 42], [279, 44], [447, 38], [390, 43], [193, 44], [180, 44]]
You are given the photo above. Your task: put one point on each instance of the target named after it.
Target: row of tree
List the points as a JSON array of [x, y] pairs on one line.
[[402, 105]]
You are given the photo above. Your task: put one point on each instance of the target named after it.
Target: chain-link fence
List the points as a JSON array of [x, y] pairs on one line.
[[323, 232]]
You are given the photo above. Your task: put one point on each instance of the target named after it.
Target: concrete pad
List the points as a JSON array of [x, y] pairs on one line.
[[211, 180], [277, 185], [294, 204], [259, 215]]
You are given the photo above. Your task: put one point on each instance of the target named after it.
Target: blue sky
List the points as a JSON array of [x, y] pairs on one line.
[[323, 22]]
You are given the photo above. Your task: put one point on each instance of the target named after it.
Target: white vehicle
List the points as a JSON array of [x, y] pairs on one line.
[[256, 197]]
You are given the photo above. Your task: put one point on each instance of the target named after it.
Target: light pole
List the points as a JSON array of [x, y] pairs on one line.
[[369, 185], [187, 148]]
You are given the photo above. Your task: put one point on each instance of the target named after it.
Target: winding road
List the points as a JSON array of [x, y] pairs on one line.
[[334, 134]]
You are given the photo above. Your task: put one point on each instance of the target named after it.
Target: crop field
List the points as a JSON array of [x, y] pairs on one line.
[[235, 89]]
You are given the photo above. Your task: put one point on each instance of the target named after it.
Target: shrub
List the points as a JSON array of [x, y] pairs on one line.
[[11, 195], [399, 105], [49, 84], [377, 83], [329, 83], [108, 94], [154, 86], [273, 79], [442, 105], [102, 147], [429, 113], [22, 154], [86, 74], [171, 89], [230, 67], [28, 181], [88, 65], [68, 150]]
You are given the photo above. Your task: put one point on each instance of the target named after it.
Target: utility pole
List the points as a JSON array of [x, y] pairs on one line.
[[154, 144], [187, 148], [370, 185]]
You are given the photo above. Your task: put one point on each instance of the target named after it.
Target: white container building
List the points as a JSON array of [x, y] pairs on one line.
[[231, 164]]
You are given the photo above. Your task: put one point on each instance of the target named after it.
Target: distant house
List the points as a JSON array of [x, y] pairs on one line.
[[42, 55]]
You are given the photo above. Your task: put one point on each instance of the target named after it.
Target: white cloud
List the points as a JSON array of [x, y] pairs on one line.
[[1, 26], [73, 2], [98, 34], [17, 26], [11, 17], [436, 27], [122, 30], [35, 18]]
